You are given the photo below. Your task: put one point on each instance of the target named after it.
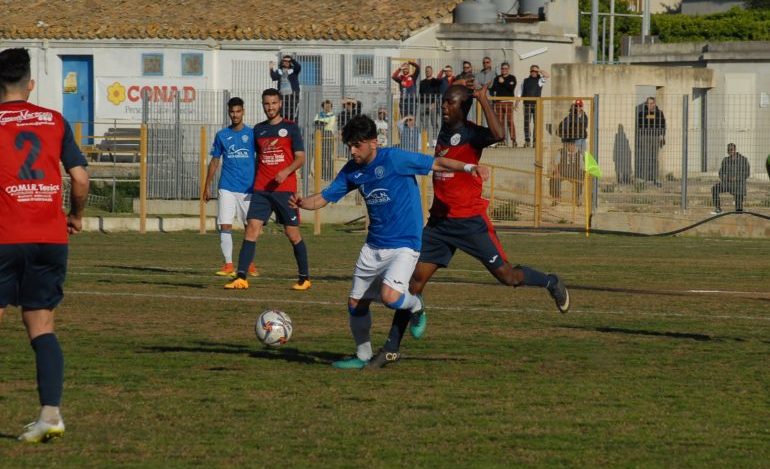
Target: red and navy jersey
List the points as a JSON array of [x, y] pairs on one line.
[[458, 195], [276, 146], [33, 141]]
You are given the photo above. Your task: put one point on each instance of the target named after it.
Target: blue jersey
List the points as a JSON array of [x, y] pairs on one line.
[[236, 148], [392, 197]]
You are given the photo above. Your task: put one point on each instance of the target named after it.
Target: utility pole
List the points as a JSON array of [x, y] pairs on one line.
[[645, 21], [612, 31], [595, 28]]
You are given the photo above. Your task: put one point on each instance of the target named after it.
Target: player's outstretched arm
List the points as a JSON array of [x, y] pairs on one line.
[[312, 202], [447, 164], [78, 198], [498, 132]]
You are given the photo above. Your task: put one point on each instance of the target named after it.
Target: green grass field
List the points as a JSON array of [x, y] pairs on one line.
[[163, 369]]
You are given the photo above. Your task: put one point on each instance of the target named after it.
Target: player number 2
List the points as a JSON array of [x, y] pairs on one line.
[[26, 172]]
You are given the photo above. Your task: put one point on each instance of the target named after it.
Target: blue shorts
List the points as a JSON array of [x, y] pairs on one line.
[[32, 275], [263, 203], [475, 236]]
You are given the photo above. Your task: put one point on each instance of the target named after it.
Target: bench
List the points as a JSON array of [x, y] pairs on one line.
[[118, 145]]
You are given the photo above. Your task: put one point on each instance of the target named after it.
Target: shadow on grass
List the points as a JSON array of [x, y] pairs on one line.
[[287, 354], [672, 335], [759, 296], [6, 436], [143, 282], [144, 269]]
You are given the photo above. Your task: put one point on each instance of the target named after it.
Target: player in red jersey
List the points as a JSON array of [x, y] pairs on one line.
[[458, 218], [33, 233], [280, 153]]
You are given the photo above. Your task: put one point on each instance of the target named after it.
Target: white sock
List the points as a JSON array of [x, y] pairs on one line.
[[50, 414], [226, 243], [360, 326], [411, 302]]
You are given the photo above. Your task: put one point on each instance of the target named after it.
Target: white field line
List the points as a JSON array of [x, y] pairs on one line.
[[220, 299]]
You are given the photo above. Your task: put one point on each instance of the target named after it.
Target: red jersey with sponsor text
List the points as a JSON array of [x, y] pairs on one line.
[[32, 144], [458, 195], [276, 146]]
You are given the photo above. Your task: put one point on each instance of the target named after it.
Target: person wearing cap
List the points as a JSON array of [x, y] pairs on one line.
[[574, 127]]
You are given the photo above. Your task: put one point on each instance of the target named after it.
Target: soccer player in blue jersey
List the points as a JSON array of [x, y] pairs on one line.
[[280, 153], [385, 177], [234, 146]]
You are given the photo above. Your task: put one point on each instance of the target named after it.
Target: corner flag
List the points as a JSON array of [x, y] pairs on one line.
[[592, 167]]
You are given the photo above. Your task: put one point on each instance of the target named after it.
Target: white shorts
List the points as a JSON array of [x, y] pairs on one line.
[[232, 204], [393, 267]]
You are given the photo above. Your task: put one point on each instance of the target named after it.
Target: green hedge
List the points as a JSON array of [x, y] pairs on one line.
[[734, 25]]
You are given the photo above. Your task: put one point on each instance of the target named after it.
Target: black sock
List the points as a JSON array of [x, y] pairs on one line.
[[300, 254], [248, 248], [400, 320], [50, 369], [534, 278]]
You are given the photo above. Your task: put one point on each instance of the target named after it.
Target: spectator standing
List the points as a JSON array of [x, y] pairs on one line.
[[326, 121], [286, 77], [409, 133], [406, 77], [504, 86], [574, 127], [650, 138], [532, 87], [467, 74], [430, 100], [381, 122], [486, 75], [350, 109], [447, 77], [733, 173]]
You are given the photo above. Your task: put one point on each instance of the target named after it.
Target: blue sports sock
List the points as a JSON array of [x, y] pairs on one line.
[[50, 369], [400, 320], [534, 278], [248, 248], [300, 254]]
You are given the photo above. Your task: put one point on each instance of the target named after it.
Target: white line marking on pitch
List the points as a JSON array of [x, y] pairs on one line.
[[440, 308]]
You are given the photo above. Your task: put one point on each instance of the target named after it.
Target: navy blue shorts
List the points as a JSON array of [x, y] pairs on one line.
[[475, 236], [263, 203], [32, 275]]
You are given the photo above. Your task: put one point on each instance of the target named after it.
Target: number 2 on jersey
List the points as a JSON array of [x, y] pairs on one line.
[[26, 172]]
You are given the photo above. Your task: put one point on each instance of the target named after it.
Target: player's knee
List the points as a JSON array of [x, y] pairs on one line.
[[393, 299], [356, 308]]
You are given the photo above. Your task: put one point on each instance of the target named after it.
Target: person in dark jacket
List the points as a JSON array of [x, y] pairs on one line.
[[287, 82], [650, 138], [574, 127], [504, 86], [733, 173], [532, 87]]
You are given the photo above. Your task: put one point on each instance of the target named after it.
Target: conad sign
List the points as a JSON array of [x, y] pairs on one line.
[[117, 98]]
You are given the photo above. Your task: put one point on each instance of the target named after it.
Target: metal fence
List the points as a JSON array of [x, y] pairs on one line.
[[647, 166]]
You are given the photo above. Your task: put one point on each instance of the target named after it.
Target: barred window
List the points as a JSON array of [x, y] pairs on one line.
[[192, 64], [152, 64], [363, 66]]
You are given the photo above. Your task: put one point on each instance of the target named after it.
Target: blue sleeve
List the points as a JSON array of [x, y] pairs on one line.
[[409, 163], [338, 188], [70, 153], [296, 139], [217, 149]]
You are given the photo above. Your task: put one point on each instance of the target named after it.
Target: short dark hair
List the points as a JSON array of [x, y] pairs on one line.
[[14, 67], [505, 64], [325, 102], [234, 101], [465, 62], [359, 129], [272, 92]]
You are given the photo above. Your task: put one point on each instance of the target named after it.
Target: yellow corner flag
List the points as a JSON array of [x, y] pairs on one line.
[[592, 167]]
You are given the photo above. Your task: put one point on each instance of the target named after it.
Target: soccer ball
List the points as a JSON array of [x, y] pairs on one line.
[[273, 328]]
